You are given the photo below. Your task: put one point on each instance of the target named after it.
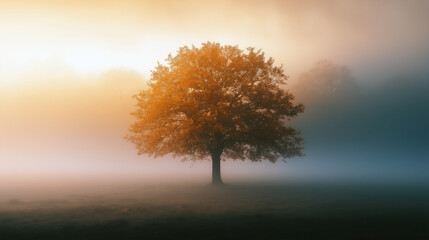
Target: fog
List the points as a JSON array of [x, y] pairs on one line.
[[69, 69], [76, 129]]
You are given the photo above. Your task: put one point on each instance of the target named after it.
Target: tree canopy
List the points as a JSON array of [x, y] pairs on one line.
[[216, 100]]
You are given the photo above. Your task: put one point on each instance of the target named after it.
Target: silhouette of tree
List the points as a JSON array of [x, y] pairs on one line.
[[216, 101], [324, 81]]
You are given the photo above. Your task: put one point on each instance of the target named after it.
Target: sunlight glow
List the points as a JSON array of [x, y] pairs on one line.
[[34, 42]]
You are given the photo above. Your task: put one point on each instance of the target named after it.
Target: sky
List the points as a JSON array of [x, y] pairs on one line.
[[68, 70], [136, 34]]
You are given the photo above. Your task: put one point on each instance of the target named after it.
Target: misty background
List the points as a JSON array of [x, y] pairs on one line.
[[351, 131], [68, 71]]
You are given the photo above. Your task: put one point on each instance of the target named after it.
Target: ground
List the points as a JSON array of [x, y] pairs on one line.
[[287, 210]]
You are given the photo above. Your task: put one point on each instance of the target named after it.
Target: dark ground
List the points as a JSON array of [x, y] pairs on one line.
[[235, 211]]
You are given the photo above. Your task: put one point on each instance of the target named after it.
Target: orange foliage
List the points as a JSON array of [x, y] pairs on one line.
[[216, 100]]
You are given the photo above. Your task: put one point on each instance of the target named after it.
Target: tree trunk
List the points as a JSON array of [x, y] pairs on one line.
[[216, 179]]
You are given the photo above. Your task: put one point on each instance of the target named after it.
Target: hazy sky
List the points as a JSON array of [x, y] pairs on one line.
[[68, 69], [93, 36]]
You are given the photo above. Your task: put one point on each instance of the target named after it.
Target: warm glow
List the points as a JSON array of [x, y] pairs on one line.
[[31, 42], [68, 68], [337, 89]]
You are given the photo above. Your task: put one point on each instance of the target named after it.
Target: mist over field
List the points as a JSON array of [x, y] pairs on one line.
[[69, 69], [78, 128], [67, 172]]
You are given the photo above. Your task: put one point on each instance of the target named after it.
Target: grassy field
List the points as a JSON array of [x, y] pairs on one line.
[[294, 210]]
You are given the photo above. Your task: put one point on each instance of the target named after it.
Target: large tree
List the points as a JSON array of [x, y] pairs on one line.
[[216, 102]]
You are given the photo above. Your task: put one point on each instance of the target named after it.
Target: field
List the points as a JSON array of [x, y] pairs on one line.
[[288, 210]]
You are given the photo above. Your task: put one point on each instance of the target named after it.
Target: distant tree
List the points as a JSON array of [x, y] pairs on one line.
[[216, 101], [324, 81]]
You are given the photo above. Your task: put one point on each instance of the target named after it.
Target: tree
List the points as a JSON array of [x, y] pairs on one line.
[[324, 81], [216, 101]]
